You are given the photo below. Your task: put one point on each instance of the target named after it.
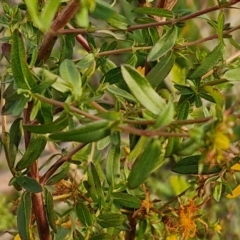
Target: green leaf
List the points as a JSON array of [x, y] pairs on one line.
[[220, 26], [50, 210], [113, 89], [69, 73], [146, 163], [15, 135], [83, 214], [57, 125], [104, 11], [216, 95], [160, 12], [166, 116], [29, 184], [19, 106], [86, 61], [137, 150], [24, 216], [184, 90], [35, 148], [63, 172], [208, 63], [232, 74], [107, 220], [183, 110], [190, 165], [101, 236], [44, 20], [94, 183], [160, 71], [114, 76], [218, 189], [126, 200], [113, 165], [172, 145], [22, 76], [142, 90], [58, 83], [164, 45], [67, 43], [48, 13], [87, 133]]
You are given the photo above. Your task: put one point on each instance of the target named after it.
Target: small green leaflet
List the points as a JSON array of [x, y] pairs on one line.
[[190, 165], [164, 45], [33, 152], [87, 133], [208, 63], [23, 77], [160, 71], [142, 90], [24, 215], [160, 12], [84, 215]]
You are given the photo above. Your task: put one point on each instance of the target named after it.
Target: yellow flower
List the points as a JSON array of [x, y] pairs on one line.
[[141, 70], [217, 228], [221, 141], [172, 237]]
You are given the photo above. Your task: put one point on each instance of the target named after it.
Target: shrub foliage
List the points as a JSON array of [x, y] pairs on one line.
[[139, 111]]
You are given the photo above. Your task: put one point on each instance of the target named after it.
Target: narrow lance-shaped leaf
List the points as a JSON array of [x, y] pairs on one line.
[[126, 200], [48, 13], [83, 214], [22, 76], [146, 163], [24, 216], [160, 12], [63, 172], [142, 90], [55, 126], [209, 62], [113, 165], [220, 26], [87, 133], [15, 134], [164, 45], [111, 219], [167, 115], [29, 184], [94, 182], [190, 165], [35, 148], [50, 209], [160, 71]]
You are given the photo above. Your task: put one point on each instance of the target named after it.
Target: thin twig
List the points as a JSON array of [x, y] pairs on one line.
[[184, 45], [155, 24], [51, 36], [60, 162]]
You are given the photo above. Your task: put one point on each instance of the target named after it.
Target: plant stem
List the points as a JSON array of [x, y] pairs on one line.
[[60, 162], [156, 24], [37, 198], [184, 45], [62, 105], [51, 36]]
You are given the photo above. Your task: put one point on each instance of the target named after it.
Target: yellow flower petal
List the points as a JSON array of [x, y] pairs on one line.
[[235, 192], [221, 141], [17, 237], [172, 237], [236, 167]]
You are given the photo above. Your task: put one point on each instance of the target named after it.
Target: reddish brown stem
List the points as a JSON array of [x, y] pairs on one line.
[[37, 198], [60, 162], [51, 36]]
